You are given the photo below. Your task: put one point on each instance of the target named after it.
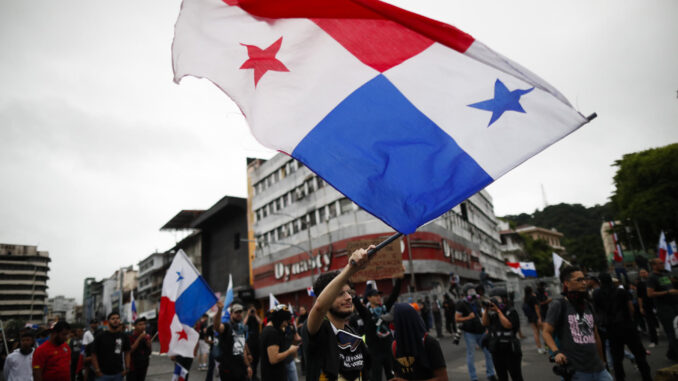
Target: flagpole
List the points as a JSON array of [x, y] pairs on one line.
[[382, 245]]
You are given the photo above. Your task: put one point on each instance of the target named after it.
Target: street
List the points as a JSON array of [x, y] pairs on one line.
[[535, 366]]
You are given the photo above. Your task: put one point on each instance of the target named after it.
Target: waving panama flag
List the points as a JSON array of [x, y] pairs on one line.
[[225, 314], [405, 115], [185, 297], [133, 308]]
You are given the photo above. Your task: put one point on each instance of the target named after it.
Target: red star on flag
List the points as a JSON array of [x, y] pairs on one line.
[[263, 60], [182, 335]]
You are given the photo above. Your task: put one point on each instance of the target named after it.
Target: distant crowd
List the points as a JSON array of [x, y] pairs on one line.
[[587, 332]]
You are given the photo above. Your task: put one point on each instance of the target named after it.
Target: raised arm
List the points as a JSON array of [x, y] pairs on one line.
[[393, 297], [334, 288]]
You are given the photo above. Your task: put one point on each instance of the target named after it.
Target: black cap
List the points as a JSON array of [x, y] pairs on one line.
[[372, 292], [139, 320]]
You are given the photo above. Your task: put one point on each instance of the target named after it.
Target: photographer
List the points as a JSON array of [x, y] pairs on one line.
[[503, 323], [579, 353], [468, 315]]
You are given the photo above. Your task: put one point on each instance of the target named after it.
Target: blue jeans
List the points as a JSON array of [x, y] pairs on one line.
[[473, 339], [291, 371], [603, 375], [110, 377]]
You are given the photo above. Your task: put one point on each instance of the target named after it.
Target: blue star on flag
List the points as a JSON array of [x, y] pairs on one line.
[[179, 276], [504, 100]]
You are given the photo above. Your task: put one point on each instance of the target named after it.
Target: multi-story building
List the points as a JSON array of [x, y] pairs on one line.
[[23, 282], [512, 246], [61, 308], [93, 303], [216, 243], [300, 226], [152, 271]]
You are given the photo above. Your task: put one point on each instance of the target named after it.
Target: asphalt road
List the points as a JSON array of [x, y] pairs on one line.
[[535, 366]]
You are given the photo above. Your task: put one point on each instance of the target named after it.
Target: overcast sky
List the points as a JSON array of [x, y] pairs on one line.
[[99, 148]]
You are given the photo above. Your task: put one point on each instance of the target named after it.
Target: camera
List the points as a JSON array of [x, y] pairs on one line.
[[457, 337], [565, 371]]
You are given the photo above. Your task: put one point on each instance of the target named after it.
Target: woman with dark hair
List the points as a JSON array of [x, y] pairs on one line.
[[417, 355], [533, 314]]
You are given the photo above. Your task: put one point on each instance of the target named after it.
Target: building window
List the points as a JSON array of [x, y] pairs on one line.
[[321, 214], [311, 219], [345, 205], [332, 210]]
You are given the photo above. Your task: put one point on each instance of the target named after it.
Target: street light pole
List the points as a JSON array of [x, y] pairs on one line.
[[310, 256], [308, 232]]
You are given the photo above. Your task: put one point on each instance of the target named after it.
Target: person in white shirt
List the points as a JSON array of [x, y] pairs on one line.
[[18, 365]]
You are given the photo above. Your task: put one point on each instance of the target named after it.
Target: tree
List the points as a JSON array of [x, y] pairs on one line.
[[647, 191], [580, 226]]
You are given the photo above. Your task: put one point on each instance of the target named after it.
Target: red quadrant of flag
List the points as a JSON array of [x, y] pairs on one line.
[[380, 44]]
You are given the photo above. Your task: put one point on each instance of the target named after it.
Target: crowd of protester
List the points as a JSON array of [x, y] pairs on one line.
[[346, 336], [62, 352]]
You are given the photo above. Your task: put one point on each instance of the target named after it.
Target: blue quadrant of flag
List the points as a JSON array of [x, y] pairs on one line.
[[380, 138]]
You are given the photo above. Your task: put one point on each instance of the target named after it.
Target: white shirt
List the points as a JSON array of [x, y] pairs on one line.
[[87, 338], [18, 367]]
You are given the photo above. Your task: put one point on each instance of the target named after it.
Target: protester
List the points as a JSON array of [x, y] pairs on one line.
[[436, 311], [534, 318], [379, 344], [418, 356], [140, 351], [544, 299], [448, 308], [614, 307], [233, 364], [75, 343], [203, 346], [665, 298], [18, 364], [110, 356], [290, 337], [301, 319], [646, 307], [253, 323], [273, 356], [331, 349], [52, 359], [503, 324], [88, 344], [571, 320], [468, 315], [485, 279], [212, 340]]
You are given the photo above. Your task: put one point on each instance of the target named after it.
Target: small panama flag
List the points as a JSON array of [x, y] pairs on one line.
[[180, 373], [309, 291], [272, 301], [225, 314], [134, 308]]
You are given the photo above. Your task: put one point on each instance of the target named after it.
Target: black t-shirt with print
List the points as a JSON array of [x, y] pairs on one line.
[[271, 336], [474, 325], [409, 368], [659, 283], [333, 354], [576, 334], [110, 348]]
